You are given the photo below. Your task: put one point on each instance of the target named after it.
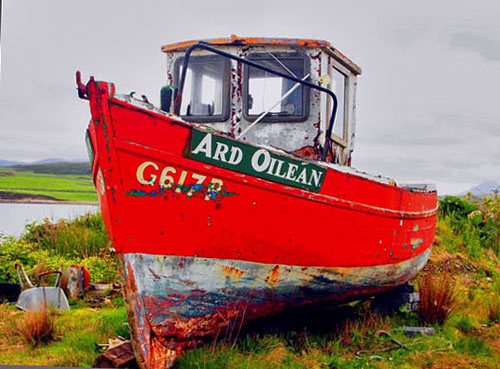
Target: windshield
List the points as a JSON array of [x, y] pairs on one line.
[[265, 90], [205, 90]]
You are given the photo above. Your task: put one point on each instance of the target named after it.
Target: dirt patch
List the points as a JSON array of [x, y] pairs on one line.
[[449, 263]]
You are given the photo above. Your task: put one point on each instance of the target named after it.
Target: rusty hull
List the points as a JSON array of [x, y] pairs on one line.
[[176, 302]]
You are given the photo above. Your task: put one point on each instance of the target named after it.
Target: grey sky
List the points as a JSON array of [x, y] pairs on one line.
[[428, 98]]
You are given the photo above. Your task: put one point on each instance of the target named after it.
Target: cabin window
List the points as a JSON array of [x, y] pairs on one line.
[[206, 88], [339, 88], [263, 90]]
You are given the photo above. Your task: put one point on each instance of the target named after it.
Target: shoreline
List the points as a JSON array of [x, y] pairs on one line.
[[48, 202], [12, 197]]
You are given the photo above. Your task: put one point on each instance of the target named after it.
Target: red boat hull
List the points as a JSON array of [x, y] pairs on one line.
[[253, 245]]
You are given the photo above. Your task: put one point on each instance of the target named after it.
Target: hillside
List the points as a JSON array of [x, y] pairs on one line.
[[47, 182], [75, 168], [483, 189]]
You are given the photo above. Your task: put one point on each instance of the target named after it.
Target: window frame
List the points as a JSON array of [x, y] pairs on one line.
[[225, 87], [342, 141], [259, 56]]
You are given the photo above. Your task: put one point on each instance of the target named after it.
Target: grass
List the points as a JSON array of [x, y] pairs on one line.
[[69, 187], [76, 334], [37, 327], [437, 298], [46, 246], [350, 337]]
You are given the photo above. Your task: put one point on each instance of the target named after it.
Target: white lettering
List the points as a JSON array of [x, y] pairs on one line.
[[205, 146], [302, 176], [315, 176], [214, 186], [271, 166], [291, 171], [140, 173], [255, 160], [236, 156], [167, 181], [220, 152], [278, 169]]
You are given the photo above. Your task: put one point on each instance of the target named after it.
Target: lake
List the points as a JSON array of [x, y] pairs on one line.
[[14, 216]]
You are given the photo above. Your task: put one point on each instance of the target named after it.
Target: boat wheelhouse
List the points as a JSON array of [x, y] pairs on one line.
[[236, 199], [231, 97]]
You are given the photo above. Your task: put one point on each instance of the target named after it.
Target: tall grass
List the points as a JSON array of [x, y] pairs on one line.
[[46, 246], [37, 327], [84, 237], [437, 298]]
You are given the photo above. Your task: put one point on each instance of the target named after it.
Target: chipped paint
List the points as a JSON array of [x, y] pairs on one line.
[[181, 309]]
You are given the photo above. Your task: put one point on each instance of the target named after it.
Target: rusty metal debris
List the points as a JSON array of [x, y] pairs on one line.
[[119, 355], [418, 330], [75, 280]]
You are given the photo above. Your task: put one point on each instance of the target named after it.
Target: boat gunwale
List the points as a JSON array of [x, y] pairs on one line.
[[134, 147]]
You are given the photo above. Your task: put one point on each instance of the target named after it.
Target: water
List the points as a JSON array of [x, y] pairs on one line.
[[14, 216]]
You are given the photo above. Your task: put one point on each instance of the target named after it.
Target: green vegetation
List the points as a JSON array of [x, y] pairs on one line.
[[69, 187], [46, 246], [465, 256], [79, 168], [76, 333]]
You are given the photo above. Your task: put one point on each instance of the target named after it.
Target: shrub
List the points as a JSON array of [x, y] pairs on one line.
[[476, 226], [37, 327], [437, 298], [38, 256], [455, 206], [83, 237]]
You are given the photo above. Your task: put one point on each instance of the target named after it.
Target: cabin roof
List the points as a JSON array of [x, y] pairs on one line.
[[234, 40]]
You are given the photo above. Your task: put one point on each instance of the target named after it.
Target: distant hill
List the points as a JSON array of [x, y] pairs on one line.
[[50, 166], [77, 168], [483, 189], [9, 163], [47, 161]]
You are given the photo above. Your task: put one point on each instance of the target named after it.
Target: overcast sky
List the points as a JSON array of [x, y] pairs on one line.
[[428, 98]]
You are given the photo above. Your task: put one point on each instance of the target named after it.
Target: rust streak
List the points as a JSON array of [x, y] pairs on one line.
[[231, 272], [273, 277]]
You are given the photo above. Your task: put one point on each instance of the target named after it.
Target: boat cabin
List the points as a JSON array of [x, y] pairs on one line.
[[276, 105]]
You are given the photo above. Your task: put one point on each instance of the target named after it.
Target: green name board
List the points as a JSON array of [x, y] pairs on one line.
[[226, 153]]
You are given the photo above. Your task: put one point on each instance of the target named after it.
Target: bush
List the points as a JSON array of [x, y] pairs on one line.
[[46, 246], [83, 237], [455, 206], [437, 298], [37, 327], [476, 224]]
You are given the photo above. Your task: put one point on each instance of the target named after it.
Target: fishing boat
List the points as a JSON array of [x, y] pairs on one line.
[[235, 199]]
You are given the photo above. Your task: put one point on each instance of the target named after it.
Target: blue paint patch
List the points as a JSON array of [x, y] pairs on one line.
[[190, 191], [321, 279]]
